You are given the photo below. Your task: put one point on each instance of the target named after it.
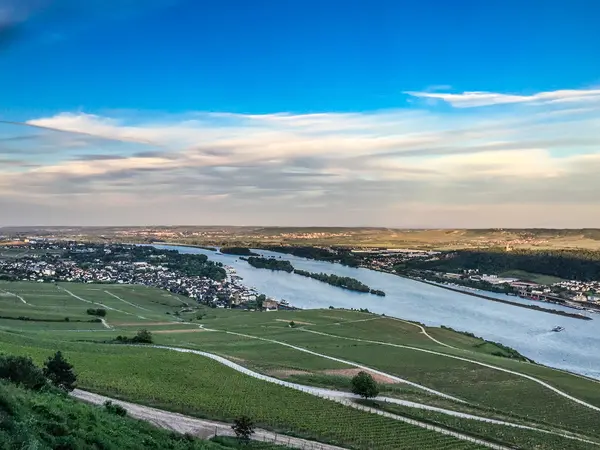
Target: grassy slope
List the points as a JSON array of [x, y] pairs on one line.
[[49, 420]]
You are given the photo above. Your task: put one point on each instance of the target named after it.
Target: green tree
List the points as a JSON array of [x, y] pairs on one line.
[[60, 373], [143, 337], [259, 301], [243, 427], [364, 385]]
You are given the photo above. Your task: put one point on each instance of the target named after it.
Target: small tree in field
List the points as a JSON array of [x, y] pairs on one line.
[[60, 373], [364, 385], [243, 427], [143, 337]]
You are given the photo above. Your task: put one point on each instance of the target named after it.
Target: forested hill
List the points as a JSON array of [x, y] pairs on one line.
[[582, 265]]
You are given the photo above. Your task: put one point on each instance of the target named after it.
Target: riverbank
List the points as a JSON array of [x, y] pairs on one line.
[[499, 300]]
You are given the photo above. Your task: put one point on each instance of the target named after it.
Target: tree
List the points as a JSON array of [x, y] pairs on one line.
[[60, 373], [21, 370], [143, 337], [243, 427], [364, 385], [292, 324], [259, 301]]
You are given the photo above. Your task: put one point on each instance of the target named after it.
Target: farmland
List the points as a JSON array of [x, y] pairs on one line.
[[323, 349]]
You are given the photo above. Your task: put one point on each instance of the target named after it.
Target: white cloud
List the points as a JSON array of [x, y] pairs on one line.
[[373, 168], [474, 99]]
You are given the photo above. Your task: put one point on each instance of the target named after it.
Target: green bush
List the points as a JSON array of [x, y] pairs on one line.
[[113, 408], [21, 370]]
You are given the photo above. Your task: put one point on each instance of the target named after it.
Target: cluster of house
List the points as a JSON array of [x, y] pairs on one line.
[[386, 259], [572, 290], [222, 294]]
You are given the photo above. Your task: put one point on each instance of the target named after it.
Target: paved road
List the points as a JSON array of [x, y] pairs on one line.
[[204, 429]]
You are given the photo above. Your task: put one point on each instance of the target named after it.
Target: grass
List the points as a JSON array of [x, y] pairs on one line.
[[529, 276]]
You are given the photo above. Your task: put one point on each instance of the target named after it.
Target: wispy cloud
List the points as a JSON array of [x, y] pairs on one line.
[[409, 167], [475, 99]]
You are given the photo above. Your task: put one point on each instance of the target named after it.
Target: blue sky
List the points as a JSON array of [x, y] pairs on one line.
[[360, 112]]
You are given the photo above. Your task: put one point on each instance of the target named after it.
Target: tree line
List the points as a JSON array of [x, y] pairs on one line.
[[581, 265]]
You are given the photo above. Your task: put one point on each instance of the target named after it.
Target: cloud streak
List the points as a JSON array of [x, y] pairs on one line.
[[477, 99]]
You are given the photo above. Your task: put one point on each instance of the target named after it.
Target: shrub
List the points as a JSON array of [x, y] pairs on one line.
[[113, 408], [21, 370], [100, 312], [60, 373]]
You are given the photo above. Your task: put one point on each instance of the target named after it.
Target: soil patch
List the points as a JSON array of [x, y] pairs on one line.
[[295, 321], [191, 330], [146, 324], [286, 372], [352, 372]]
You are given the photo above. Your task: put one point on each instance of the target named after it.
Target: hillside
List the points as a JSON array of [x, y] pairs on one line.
[[438, 388], [51, 421]]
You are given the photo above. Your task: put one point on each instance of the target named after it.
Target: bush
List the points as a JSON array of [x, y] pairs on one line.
[[113, 408], [60, 373], [143, 337], [22, 370], [100, 312], [364, 385]]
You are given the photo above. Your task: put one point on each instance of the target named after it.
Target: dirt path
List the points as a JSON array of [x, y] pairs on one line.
[[349, 399], [126, 302], [17, 296], [93, 303], [353, 364], [424, 331], [489, 366], [204, 429]]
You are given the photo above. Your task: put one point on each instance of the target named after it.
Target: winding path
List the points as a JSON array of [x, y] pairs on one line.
[[350, 363], [424, 331], [349, 399], [490, 366], [17, 296], [336, 396], [93, 303], [126, 302], [204, 429]]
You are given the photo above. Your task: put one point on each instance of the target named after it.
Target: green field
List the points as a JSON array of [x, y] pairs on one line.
[[202, 387], [535, 277]]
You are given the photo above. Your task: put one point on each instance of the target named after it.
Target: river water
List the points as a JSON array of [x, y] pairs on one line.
[[576, 349]]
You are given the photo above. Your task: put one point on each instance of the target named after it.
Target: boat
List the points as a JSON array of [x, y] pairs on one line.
[[558, 329]]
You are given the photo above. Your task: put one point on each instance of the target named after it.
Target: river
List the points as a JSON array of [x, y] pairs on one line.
[[575, 349]]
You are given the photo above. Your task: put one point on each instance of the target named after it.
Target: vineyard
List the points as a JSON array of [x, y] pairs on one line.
[[204, 388], [322, 350]]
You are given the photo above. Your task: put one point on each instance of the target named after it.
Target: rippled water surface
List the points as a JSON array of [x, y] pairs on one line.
[[576, 349]]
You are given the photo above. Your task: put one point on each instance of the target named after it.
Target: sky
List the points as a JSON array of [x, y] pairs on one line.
[[429, 114]]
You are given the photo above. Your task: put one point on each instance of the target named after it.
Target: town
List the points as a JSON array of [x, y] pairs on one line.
[[190, 275]]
